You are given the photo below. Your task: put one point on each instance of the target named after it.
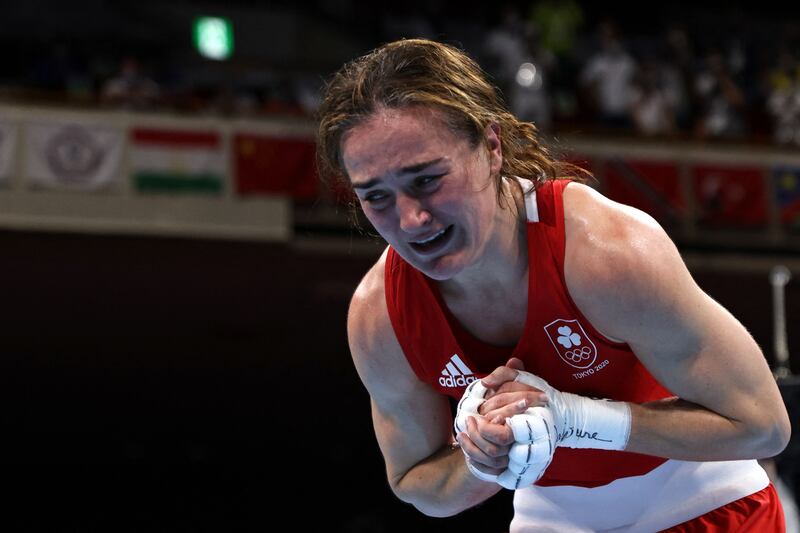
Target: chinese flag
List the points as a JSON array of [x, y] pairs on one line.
[[273, 165]]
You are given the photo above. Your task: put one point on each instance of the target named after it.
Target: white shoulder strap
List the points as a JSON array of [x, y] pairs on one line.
[[531, 207]]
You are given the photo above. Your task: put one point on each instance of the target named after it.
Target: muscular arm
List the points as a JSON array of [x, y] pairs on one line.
[[627, 277], [412, 422]]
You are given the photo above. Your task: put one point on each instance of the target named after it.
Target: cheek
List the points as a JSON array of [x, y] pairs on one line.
[[381, 220]]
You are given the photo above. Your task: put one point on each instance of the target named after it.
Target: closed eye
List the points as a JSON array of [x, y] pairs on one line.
[[423, 181], [375, 197], [421, 184]]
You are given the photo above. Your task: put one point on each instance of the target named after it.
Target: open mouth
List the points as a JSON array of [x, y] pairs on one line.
[[435, 242]]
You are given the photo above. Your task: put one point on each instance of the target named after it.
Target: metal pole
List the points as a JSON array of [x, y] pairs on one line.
[[779, 276]]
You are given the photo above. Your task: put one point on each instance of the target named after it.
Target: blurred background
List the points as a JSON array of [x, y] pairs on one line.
[[175, 278]]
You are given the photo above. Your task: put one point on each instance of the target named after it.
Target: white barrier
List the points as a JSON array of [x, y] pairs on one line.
[[115, 207]]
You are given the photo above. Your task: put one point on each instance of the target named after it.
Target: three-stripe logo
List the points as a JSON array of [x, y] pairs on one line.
[[456, 373]]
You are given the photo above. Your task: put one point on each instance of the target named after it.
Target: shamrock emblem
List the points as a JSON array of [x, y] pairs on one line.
[[567, 338]]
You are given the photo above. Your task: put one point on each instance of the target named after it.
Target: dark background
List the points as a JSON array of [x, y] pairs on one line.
[[155, 384]]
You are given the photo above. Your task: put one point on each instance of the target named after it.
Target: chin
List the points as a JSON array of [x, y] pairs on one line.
[[440, 268]]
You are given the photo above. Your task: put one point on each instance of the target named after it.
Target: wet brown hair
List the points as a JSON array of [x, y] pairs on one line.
[[419, 72]]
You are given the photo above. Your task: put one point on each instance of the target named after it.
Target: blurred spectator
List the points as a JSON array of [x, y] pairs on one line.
[[652, 107], [608, 77], [678, 74], [130, 88], [529, 95], [558, 23], [721, 101], [307, 91], [506, 48], [783, 98], [233, 101], [538, 53]]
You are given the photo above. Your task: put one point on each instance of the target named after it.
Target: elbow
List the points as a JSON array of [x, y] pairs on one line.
[[772, 440], [781, 435], [427, 504], [434, 511]]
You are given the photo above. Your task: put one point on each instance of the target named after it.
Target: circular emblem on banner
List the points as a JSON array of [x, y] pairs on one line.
[[73, 156]]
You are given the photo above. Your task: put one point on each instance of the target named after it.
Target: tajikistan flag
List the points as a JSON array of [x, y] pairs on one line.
[[177, 160]]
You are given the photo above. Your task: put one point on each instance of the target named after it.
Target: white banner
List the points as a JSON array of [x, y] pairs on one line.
[[73, 155], [8, 151]]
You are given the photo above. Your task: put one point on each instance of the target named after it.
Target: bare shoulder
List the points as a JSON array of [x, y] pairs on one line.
[[618, 261], [606, 241], [377, 355]]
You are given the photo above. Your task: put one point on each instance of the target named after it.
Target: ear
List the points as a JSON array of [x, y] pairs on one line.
[[492, 136]]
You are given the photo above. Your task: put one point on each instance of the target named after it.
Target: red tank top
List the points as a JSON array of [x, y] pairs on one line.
[[558, 343]]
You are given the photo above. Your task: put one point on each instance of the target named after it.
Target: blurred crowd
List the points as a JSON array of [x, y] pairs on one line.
[[719, 78], [701, 83]]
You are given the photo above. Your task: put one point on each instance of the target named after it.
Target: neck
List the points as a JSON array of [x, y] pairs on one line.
[[504, 261]]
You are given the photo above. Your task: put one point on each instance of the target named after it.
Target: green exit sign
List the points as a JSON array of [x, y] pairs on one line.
[[213, 37]]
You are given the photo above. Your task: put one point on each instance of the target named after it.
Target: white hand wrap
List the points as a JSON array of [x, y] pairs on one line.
[[530, 455], [569, 420], [584, 422], [468, 406]]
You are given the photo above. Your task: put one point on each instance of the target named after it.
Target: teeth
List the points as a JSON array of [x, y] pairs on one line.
[[431, 237]]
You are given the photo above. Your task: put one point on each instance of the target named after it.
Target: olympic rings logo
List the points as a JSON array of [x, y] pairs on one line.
[[571, 343], [579, 354]]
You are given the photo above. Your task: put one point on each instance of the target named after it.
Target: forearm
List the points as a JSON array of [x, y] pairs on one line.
[[441, 485], [671, 428], [678, 429]]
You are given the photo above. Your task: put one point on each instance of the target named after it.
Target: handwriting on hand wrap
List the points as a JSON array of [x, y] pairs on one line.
[[581, 434]]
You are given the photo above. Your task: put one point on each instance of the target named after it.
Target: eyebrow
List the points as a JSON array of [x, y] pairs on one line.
[[405, 170]]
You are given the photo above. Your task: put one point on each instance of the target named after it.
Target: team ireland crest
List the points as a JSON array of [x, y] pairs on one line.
[[572, 343]]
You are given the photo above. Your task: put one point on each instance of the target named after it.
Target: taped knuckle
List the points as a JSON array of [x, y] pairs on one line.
[[476, 389], [521, 454], [471, 404], [531, 453], [524, 476], [516, 467], [460, 423], [527, 427]]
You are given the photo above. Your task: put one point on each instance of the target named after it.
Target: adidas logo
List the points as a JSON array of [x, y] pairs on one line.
[[456, 373]]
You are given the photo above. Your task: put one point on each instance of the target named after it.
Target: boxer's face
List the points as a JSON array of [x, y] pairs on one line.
[[428, 192]]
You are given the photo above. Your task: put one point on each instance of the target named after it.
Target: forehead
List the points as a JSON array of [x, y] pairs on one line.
[[394, 138]]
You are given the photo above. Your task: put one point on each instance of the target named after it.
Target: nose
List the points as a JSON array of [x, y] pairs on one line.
[[413, 215]]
